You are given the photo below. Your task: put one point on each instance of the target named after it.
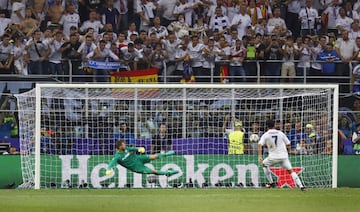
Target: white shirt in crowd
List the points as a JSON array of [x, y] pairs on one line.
[[17, 6], [96, 25], [69, 20], [308, 17], [243, 21], [346, 48], [345, 22], [195, 53], [276, 142]]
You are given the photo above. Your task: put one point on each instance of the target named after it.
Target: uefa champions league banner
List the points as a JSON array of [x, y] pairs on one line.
[[234, 169], [104, 65]]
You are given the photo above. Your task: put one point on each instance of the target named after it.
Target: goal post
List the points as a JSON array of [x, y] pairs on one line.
[[68, 131]]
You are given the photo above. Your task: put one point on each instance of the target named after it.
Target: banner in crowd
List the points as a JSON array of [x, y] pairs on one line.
[[201, 169], [104, 65], [135, 76]]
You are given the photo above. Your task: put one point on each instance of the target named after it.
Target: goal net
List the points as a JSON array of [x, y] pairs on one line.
[[68, 133]]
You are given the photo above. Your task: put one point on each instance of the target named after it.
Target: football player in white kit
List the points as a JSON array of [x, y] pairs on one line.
[[277, 144]]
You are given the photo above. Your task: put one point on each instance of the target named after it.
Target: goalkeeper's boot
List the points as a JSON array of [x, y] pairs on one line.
[[270, 185], [171, 172]]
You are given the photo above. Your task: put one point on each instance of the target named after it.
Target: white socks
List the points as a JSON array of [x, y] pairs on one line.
[[296, 179], [268, 174]]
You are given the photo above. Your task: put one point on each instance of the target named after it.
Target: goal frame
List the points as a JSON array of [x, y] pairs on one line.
[[335, 110]]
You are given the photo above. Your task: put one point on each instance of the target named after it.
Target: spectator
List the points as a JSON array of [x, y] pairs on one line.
[[236, 69], [186, 9], [353, 14], [158, 57], [355, 31], [170, 45], [102, 54], [254, 13], [28, 24], [241, 21], [290, 133], [273, 52], [276, 25], [6, 55], [330, 15], [299, 137], [131, 30], [303, 50], [130, 57], [38, 53], [288, 67], [347, 51], [55, 12], [162, 141], [219, 21], [69, 19], [17, 11], [180, 58], [86, 47], [252, 145], [309, 18], [232, 8], [343, 22], [329, 56], [125, 134], [167, 8], [55, 56], [93, 23], [294, 14], [110, 15], [70, 55], [209, 53], [11, 151], [160, 31], [223, 55], [145, 10], [356, 140], [195, 50], [20, 63], [4, 22], [123, 7]]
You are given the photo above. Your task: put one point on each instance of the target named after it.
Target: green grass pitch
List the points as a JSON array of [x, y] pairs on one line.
[[148, 200]]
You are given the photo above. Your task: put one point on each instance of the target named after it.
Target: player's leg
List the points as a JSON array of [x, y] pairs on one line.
[[266, 167], [161, 155], [169, 172], [286, 165]]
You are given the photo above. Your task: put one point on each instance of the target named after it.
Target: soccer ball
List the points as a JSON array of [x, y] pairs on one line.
[[254, 138]]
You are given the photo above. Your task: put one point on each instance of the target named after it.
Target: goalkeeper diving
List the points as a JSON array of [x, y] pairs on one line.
[[126, 157]]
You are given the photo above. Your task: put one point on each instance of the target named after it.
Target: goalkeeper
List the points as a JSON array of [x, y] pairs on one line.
[[126, 157]]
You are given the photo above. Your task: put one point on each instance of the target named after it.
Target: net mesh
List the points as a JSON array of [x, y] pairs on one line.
[[79, 128]]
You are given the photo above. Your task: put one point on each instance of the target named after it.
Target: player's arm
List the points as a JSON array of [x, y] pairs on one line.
[[111, 164], [136, 149]]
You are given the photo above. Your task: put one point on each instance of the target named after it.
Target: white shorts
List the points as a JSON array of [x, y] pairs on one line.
[[283, 162]]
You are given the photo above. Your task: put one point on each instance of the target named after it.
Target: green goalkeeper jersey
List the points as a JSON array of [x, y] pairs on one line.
[[127, 159]]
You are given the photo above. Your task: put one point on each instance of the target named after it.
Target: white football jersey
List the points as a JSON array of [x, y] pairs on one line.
[[276, 142]]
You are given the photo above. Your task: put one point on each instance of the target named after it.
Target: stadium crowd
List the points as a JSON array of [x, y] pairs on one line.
[[189, 40]]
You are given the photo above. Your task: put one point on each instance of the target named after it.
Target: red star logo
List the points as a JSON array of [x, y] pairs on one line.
[[284, 178]]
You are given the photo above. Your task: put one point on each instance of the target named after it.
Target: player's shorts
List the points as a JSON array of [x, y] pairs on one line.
[[283, 162], [139, 167]]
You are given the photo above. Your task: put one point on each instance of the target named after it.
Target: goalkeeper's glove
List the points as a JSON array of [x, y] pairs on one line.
[[108, 172], [141, 149]]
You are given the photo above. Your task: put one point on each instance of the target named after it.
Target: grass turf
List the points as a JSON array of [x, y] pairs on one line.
[[144, 200]]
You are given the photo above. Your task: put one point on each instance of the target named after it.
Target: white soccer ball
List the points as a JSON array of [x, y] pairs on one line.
[[254, 138]]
